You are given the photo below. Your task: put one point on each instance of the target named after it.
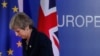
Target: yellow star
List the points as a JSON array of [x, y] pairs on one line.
[[15, 9], [0, 53], [19, 44], [10, 52], [4, 4]]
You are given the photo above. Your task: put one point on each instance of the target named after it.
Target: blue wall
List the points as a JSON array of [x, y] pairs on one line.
[[81, 37]]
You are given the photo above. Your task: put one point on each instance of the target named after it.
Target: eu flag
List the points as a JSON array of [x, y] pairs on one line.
[[10, 45]]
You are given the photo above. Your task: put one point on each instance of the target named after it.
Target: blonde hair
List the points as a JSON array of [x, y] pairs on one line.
[[20, 20]]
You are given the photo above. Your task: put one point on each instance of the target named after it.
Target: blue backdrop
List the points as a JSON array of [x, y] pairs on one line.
[[79, 29]]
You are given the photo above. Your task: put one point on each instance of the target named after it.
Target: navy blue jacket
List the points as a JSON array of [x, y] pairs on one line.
[[39, 45]]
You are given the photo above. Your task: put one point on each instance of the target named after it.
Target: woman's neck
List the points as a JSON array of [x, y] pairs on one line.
[[28, 36]]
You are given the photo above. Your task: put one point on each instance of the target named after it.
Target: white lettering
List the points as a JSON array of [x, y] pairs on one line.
[[79, 21], [97, 20], [69, 19], [76, 21], [89, 19]]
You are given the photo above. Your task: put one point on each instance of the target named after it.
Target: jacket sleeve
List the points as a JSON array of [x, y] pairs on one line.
[[45, 46]]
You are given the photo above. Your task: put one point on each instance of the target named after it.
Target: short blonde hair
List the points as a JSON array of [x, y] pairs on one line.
[[20, 20]]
